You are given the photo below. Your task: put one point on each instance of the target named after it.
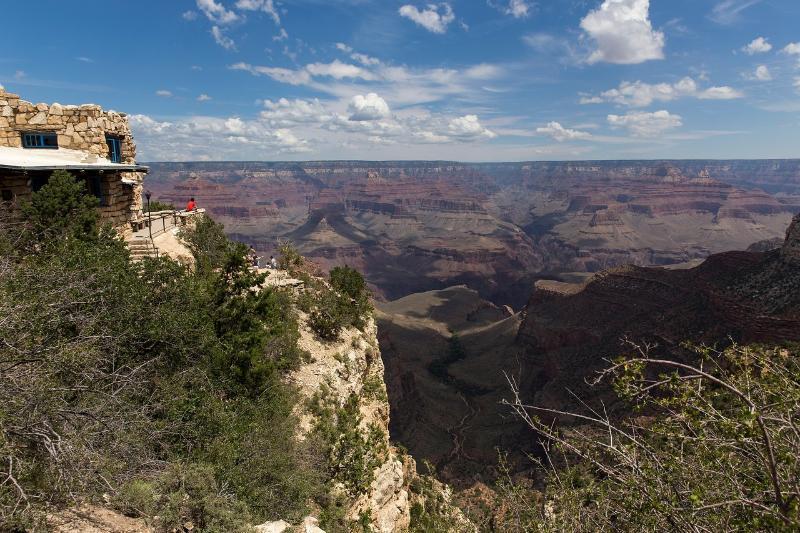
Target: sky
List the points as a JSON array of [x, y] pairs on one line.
[[465, 80]]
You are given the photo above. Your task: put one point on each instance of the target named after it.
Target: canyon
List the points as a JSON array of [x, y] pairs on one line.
[[536, 272], [497, 227]]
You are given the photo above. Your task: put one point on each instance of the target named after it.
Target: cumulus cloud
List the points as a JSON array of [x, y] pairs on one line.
[[793, 49], [561, 134], [758, 46], [623, 33], [435, 17], [221, 39], [469, 127], [640, 94], [213, 138], [203, 98], [164, 93], [267, 6], [369, 107], [762, 73], [216, 12], [641, 124]]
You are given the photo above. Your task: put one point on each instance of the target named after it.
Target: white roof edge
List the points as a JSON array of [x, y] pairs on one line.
[[61, 158]]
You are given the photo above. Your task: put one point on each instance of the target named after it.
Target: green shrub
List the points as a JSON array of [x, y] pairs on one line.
[[289, 258], [163, 382], [717, 451], [352, 455]]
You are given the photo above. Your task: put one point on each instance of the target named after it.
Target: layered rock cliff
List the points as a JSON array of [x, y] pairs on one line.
[[419, 226], [570, 330]]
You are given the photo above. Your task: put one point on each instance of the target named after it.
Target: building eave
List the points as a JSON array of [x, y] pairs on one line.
[[50, 168]]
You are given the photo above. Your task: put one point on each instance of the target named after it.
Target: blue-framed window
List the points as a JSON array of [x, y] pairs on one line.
[[40, 140], [114, 149]]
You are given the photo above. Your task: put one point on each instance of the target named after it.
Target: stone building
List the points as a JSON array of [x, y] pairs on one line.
[[96, 146]]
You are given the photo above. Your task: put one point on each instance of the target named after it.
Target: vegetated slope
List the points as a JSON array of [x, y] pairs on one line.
[[419, 226], [210, 398], [744, 297], [445, 352]]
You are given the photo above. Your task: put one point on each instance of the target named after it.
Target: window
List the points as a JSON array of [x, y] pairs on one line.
[[40, 140], [114, 149], [7, 195]]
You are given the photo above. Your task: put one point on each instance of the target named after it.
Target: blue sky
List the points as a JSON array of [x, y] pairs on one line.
[[470, 80]]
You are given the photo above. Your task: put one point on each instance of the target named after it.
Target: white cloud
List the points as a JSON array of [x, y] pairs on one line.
[[762, 73], [84, 59], [399, 84], [757, 46], [793, 49], [518, 8], [339, 70], [282, 36], [623, 33], [221, 39], [202, 137], [369, 107], [203, 98], [267, 6], [797, 83], [285, 113], [164, 93], [720, 93], [343, 47], [216, 12], [283, 75], [639, 94], [561, 134], [469, 127], [641, 124], [728, 11], [483, 71], [189, 15], [434, 18]]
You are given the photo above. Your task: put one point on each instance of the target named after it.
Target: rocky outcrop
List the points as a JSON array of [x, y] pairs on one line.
[[570, 330], [791, 248]]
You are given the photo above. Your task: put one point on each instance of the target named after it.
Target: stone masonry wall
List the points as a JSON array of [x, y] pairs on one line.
[[82, 128]]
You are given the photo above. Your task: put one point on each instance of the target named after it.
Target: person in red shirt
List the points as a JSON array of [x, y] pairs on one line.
[[192, 205]]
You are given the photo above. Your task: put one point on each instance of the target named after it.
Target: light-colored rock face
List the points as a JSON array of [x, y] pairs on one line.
[[791, 248], [345, 366]]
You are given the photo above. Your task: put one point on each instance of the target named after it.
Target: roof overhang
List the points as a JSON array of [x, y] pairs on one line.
[[112, 167], [47, 160]]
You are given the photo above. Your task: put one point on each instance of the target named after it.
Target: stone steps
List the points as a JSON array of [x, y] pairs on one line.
[[140, 248]]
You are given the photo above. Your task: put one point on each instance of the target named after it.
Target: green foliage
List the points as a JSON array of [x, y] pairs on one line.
[[353, 452], [156, 206], [345, 304], [256, 326], [288, 257], [718, 450], [61, 208], [431, 512], [208, 243], [159, 385]]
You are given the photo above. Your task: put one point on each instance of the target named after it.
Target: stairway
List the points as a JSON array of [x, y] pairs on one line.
[[142, 247]]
